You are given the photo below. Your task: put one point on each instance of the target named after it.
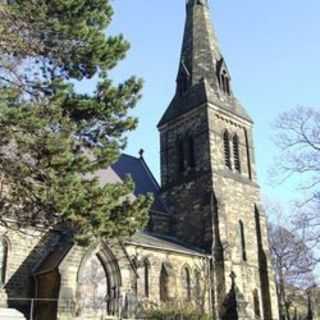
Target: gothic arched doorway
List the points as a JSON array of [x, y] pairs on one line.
[[99, 284]]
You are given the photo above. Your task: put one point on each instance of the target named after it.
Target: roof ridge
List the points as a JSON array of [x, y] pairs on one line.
[[129, 155], [149, 172], [146, 167], [155, 181]]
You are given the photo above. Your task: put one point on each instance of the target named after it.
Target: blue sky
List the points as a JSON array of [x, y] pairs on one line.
[[272, 49]]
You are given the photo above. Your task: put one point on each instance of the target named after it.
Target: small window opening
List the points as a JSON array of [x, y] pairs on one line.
[[197, 285], [227, 153], [225, 83], [256, 304], [146, 278], [3, 260], [243, 241], [164, 285], [180, 155], [187, 283], [191, 152], [236, 153]]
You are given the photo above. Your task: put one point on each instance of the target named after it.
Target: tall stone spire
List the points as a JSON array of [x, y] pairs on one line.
[[208, 176], [200, 53], [203, 75]]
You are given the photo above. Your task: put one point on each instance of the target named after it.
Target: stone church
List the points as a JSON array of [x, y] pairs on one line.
[[206, 242]]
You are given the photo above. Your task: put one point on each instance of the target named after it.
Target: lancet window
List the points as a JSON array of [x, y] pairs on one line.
[[227, 152], [236, 153]]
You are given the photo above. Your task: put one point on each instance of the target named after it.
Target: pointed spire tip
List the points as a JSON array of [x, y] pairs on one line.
[[194, 2]]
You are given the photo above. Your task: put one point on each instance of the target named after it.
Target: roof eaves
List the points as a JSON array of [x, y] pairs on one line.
[[184, 252]]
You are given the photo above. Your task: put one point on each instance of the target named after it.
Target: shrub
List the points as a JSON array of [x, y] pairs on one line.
[[172, 311]]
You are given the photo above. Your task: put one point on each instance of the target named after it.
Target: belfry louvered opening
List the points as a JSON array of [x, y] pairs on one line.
[[227, 152], [236, 153]]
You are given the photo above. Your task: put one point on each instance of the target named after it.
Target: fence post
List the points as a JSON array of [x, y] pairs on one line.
[[119, 306], [31, 309]]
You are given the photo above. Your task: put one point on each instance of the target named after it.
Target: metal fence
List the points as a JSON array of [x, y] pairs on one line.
[[35, 309], [28, 306], [39, 309]]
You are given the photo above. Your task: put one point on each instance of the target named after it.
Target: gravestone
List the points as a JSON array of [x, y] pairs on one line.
[[234, 306]]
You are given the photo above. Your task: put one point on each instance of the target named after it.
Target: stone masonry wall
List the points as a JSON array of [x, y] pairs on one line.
[[178, 261], [188, 193], [133, 276], [26, 249], [238, 194]]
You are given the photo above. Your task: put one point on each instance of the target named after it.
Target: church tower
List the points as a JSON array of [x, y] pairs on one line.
[[208, 171]]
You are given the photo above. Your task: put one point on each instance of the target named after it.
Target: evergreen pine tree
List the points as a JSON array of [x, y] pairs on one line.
[[53, 139]]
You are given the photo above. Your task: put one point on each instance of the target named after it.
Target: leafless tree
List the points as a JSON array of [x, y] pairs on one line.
[[298, 139], [293, 261]]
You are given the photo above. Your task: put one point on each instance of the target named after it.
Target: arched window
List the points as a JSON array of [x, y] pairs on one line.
[[146, 266], [248, 154], [227, 85], [186, 283], [180, 155], [223, 77], [227, 153], [191, 158], [135, 276], [243, 241], [256, 304], [223, 82], [197, 285], [236, 153], [164, 284], [3, 260]]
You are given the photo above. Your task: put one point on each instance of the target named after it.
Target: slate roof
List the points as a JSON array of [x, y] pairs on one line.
[[138, 170], [144, 183], [157, 242], [162, 242]]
